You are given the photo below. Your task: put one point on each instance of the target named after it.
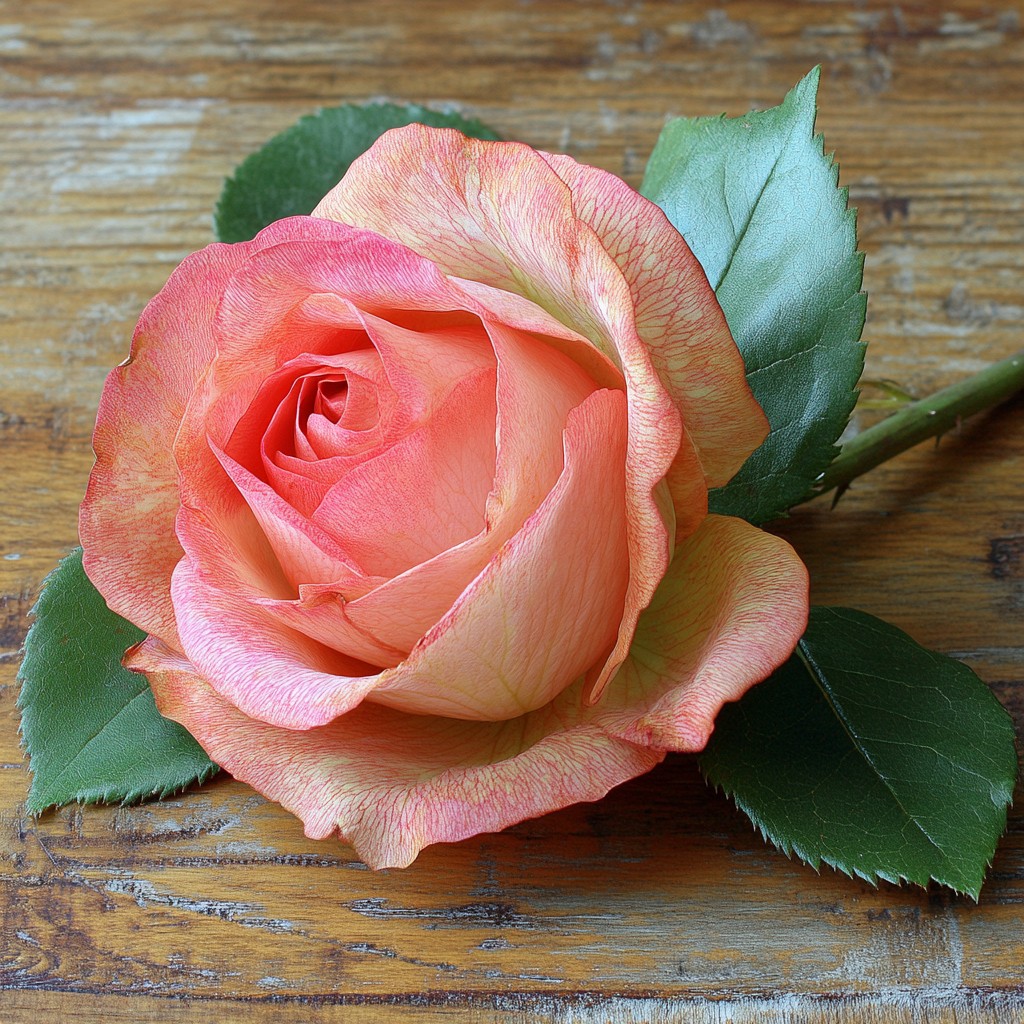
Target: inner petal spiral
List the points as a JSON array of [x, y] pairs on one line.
[[388, 447]]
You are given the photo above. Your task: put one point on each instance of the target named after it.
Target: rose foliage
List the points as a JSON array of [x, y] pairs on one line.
[[410, 497]]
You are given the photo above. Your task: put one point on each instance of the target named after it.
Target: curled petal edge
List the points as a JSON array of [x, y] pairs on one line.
[[730, 610], [390, 783]]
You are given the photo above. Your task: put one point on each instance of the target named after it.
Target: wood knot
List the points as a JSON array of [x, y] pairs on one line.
[[1004, 556]]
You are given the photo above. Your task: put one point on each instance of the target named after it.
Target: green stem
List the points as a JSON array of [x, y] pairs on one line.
[[930, 417]]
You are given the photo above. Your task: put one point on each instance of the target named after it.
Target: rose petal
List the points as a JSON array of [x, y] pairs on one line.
[[494, 305], [677, 316], [423, 365], [305, 551], [302, 293], [126, 522], [268, 670], [537, 387], [402, 376], [392, 783], [729, 612], [426, 493], [546, 605], [271, 426], [447, 197], [322, 614]]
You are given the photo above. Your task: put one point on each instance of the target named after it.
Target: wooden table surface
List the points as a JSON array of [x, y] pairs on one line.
[[118, 123]]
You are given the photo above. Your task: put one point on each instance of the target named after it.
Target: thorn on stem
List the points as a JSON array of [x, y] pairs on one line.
[[840, 491]]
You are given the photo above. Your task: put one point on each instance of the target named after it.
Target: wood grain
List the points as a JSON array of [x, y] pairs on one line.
[[119, 123]]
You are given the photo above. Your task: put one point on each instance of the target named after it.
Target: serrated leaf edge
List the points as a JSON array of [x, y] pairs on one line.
[[815, 860], [112, 797], [109, 796], [843, 404]]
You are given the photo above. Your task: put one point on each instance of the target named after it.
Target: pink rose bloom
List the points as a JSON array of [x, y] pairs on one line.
[[411, 498]]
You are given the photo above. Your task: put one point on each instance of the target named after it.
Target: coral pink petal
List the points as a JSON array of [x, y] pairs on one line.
[[730, 611], [392, 783], [271, 672], [286, 300], [677, 316], [324, 616], [422, 365], [304, 451], [547, 605], [537, 388], [306, 553], [426, 493], [447, 197], [398, 613], [275, 422], [495, 305], [127, 518]]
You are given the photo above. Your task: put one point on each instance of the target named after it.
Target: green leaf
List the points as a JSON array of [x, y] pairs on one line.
[[297, 168], [91, 727], [872, 754], [756, 199]]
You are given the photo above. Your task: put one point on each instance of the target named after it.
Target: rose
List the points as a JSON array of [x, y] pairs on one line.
[[391, 487]]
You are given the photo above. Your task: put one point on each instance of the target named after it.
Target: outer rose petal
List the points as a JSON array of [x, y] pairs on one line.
[[677, 316], [286, 296], [392, 783], [269, 670], [729, 612], [132, 497]]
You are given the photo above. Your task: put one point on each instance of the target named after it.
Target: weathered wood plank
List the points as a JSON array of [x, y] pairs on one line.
[[526, 1009], [658, 903]]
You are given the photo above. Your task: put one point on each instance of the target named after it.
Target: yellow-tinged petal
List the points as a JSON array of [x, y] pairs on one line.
[[729, 612]]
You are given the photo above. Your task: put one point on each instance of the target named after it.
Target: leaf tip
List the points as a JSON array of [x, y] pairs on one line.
[[810, 82]]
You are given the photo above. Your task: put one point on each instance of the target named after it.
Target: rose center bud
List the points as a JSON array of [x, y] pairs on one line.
[[388, 448], [331, 399], [430, 465]]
